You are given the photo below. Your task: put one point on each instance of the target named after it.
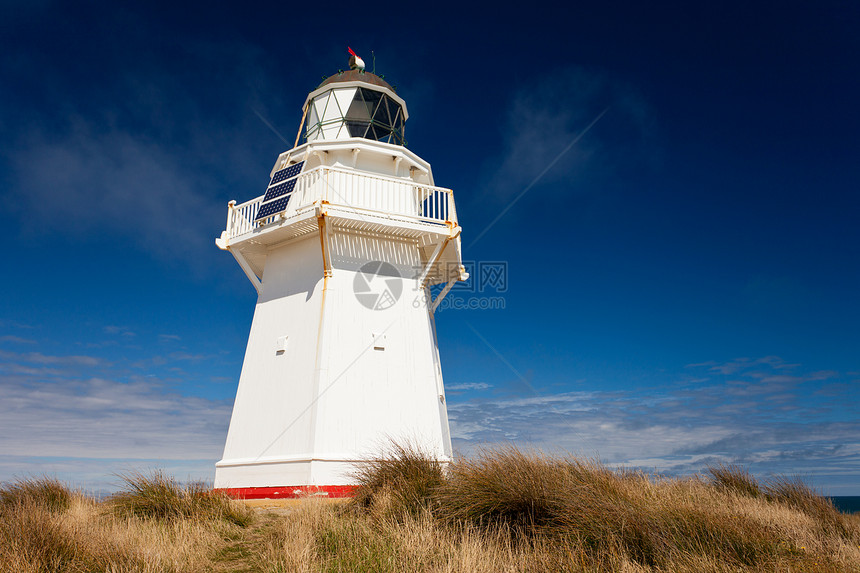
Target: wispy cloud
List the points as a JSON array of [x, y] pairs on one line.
[[16, 339], [746, 411], [101, 418], [143, 154], [468, 386], [56, 411], [121, 330], [5, 323], [546, 115], [42, 359], [60, 406], [95, 181]]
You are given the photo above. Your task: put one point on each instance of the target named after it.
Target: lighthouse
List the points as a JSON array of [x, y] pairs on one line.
[[343, 248]]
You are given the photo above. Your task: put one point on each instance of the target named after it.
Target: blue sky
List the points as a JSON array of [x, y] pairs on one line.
[[681, 282]]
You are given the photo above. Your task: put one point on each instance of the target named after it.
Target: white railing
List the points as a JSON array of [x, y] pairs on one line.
[[357, 192]]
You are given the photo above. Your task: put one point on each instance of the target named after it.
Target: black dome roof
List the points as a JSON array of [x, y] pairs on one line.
[[356, 76]]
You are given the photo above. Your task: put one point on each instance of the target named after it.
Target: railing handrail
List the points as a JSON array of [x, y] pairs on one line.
[[239, 217], [388, 178]]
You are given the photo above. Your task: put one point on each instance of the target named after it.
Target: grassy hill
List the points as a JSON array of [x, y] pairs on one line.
[[504, 510]]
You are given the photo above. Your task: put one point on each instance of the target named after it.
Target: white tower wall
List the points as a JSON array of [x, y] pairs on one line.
[[350, 377]]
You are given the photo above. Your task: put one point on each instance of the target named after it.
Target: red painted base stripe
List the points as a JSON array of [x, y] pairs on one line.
[[289, 492]]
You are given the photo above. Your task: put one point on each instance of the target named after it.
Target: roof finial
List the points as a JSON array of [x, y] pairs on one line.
[[355, 63]]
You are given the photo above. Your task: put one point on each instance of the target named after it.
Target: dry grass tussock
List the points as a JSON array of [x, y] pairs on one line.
[[579, 515], [161, 497], [504, 510], [44, 527]]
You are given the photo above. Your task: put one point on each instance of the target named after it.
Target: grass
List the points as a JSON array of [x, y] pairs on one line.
[[44, 492], [503, 510], [403, 478], [734, 478], [160, 497], [586, 516]]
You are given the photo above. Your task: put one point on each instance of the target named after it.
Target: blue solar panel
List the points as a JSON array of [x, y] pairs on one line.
[[272, 207], [279, 191], [286, 173]]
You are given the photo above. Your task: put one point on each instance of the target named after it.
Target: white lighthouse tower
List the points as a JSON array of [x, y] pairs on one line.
[[342, 249]]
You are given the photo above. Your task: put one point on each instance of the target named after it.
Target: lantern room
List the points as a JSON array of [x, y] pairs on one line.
[[355, 104]]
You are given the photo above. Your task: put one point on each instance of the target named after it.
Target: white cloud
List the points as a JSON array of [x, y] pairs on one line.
[[749, 413], [121, 330], [94, 181], [100, 418], [16, 339], [56, 411], [545, 116], [146, 154], [468, 386], [42, 359], [59, 414]]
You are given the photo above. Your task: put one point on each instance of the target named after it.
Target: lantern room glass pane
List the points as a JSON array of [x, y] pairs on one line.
[[357, 128], [371, 98], [358, 109], [381, 116]]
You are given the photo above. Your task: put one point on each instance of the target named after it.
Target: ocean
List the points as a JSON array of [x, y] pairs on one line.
[[847, 503]]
